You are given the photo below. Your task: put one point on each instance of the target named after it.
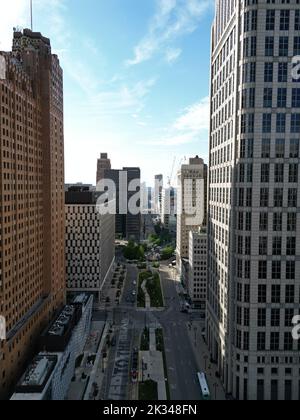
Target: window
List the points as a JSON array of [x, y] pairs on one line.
[[277, 246], [270, 20], [262, 317], [288, 342], [266, 148], [295, 123], [281, 123], [278, 197], [275, 317], [294, 148], [276, 270], [296, 98], [280, 148], [276, 293], [275, 341], [290, 294], [263, 245], [262, 270], [282, 72], [291, 222], [297, 45], [264, 197], [297, 20], [293, 173], [268, 95], [268, 72], [277, 222], [267, 123], [263, 222], [265, 173], [279, 173], [261, 341], [283, 46], [292, 197], [291, 246], [284, 20], [269, 47], [290, 270], [262, 293], [281, 97]]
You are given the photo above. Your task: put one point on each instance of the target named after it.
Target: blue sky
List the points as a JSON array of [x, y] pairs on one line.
[[136, 77]]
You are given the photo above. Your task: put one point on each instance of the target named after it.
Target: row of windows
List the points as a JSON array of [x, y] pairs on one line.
[[269, 101]]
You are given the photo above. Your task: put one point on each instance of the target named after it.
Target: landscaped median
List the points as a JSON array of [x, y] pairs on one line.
[[151, 282]]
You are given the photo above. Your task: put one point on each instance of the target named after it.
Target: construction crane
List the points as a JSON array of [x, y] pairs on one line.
[[170, 178]]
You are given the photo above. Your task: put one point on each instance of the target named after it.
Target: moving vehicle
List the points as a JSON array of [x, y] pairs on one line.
[[203, 386]]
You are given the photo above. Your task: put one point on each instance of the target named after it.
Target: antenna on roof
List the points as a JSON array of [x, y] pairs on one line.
[[31, 16]]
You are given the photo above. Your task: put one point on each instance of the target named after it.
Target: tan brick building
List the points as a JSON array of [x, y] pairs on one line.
[[32, 260]]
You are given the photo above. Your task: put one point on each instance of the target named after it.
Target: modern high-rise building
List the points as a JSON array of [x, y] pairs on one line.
[[254, 198], [90, 242], [102, 165], [32, 220], [191, 205]]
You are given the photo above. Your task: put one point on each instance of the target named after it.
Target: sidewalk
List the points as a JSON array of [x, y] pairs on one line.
[[203, 360]]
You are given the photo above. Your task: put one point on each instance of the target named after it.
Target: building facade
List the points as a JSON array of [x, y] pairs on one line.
[[90, 243], [32, 226], [253, 261], [197, 272], [191, 205]]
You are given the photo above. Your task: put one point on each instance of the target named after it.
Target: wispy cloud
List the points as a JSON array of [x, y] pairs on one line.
[[189, 127], [14, 13], [173, 54], [172, 20], [195, 118]]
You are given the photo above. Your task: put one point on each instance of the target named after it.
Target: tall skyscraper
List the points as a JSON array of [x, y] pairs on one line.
[[102, 165], [191, 205], [253, 262], [32, 228]]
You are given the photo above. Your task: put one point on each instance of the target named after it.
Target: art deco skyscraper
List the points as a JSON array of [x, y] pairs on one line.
[[103, 164], [254, 198], [32, 228]]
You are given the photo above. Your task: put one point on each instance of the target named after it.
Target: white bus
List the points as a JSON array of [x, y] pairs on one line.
[[204, 386]]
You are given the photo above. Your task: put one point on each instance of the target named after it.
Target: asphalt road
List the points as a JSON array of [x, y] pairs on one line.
[[182, 366]]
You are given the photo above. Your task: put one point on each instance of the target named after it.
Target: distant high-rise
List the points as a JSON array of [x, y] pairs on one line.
[[158, 189], [102, 165], [254, 254], [191, 204], [128, 225], [32, 228]]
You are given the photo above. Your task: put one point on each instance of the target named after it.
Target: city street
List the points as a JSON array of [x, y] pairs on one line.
[[184, 359]]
